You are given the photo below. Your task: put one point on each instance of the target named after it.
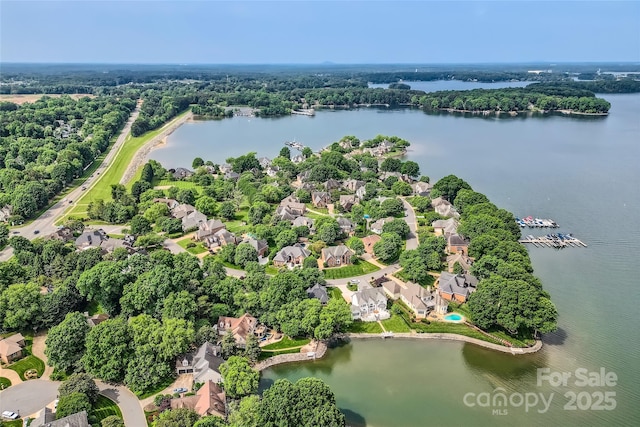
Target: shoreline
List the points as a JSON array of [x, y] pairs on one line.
[[303, 357], [140, 156]]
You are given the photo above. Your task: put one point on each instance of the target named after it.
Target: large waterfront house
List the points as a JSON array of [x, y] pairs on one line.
[[456, 287], [182, 173], [463, 260], [421, 188], [335, 256], [422, 301], [369, 304], [457, 244], [210, 399], [204, 364], [11, 348], [290, 256], [444, 208], [241, 327], [445, 227]]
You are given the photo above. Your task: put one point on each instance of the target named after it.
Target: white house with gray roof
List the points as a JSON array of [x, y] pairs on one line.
[[369, 304]]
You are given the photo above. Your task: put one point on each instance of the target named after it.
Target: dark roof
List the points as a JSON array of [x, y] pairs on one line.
[[319, 292]]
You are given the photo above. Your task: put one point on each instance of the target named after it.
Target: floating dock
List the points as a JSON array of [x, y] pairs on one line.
[[532, 222], [557, 241], [295, 145]]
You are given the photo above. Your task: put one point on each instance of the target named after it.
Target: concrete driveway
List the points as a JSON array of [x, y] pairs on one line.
[[30, 397]]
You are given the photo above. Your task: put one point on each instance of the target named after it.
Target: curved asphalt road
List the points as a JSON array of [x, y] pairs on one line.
[[127, 402]]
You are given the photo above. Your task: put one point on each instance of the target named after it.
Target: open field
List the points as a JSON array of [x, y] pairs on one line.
[[24, 98]]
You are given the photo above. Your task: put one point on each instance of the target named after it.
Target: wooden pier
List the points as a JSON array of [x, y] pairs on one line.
[[554, 241]]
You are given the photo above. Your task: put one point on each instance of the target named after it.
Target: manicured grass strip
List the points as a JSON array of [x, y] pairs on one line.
[[29, 362], [267, 354], [396, 324], [102, 188], [360, 327], [4, 383], [334, 293], [104, 408], [14, 423], [357, 269], [163, 384], [286, 342], [177, 184], [195, 250]]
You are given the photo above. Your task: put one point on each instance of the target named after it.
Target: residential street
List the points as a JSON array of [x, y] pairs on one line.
[[127, 402], [29, 397], [412, 238], [44, 224]]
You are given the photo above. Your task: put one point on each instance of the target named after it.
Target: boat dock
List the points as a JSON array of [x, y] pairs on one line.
[[295, 145], [532, 222], [557, 241], [305, 112]]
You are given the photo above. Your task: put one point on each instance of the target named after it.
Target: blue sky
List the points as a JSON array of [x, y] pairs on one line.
[[314, 32]]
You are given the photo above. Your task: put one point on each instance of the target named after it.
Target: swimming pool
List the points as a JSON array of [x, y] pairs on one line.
[[453, 317]]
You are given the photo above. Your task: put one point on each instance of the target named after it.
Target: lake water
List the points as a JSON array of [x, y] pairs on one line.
[[582, 172]]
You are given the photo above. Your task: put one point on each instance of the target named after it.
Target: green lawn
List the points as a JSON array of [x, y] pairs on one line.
[[335, 293], [4, 383], [267, 354], [29, 362], [360, 327], [197, 249], [428, 281], [396, 324], [14, 423], [270, 269], [286, 342], [359, 268], [163, 384], [178, 184], [102, 188], [105, 407]]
